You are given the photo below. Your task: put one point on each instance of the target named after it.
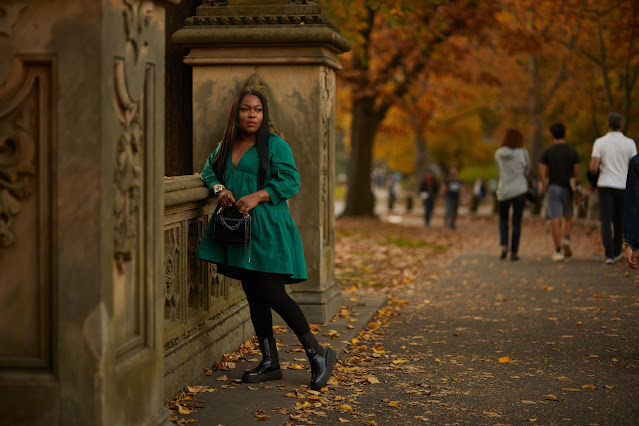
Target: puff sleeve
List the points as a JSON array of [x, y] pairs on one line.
[[209, 177], [284, 179]]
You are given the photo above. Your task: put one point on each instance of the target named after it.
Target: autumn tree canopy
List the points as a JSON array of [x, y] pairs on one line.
[[437, 82]]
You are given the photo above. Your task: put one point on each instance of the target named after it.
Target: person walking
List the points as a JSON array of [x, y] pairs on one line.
[[631, 212], [611, 155], [428, 190], [452, 194], [513, 164], [558, 166], [253, 171]]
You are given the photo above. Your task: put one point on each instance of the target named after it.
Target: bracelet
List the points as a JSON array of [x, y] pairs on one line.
[[217, 188]]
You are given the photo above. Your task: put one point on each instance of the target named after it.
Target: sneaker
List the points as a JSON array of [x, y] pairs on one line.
[[566, 246], [610, 261], [504, 252], [618, 257], [557, 256]]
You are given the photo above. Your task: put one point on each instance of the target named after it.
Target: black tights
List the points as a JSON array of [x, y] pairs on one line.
[[265, 291]]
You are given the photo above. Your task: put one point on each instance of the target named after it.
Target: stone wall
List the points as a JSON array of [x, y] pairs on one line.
[[205, 314]]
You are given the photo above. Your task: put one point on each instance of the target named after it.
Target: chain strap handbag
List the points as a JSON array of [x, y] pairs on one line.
[[233, 230]]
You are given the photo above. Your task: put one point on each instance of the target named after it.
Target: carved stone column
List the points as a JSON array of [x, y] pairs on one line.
[[81, 247], [289, 49]]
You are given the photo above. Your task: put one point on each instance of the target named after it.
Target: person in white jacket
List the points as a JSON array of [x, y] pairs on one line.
[[513, 164]]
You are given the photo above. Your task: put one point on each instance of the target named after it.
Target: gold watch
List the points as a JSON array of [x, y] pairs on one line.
[[217, 188]]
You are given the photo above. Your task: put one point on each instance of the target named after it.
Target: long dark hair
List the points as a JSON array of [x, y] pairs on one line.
[[232, 131]]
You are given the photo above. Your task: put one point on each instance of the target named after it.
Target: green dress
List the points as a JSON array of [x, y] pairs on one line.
[[276, 246]]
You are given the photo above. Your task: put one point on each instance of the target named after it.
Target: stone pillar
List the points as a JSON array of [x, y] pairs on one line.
[[81, 162], [287, 49]]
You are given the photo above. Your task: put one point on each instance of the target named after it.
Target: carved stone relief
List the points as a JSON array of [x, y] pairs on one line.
[[197, 288], [173, 305], [327, 101], [25, 213], [17, 165], [134, 100], [130, 76]]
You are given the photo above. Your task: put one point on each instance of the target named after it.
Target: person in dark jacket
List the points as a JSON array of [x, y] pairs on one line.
[[428, 191], [631, 212]]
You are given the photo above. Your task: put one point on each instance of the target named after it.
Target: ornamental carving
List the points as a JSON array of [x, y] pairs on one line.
[[17, 156], [230, 20], [327, 102], [173, 305], [9, 15], [130, 79]]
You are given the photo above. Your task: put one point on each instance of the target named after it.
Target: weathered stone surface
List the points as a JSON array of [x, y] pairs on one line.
[[81, 135]]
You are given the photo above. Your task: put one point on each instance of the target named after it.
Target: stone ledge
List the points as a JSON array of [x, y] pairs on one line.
[[288, 35], [184, 189]]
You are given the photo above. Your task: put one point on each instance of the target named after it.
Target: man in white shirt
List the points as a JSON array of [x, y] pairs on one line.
[[611, 155]]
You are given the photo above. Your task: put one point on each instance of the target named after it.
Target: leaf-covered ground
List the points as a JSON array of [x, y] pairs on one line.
[[466, 338]]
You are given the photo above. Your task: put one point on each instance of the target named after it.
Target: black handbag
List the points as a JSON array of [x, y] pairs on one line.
[[233, 230]]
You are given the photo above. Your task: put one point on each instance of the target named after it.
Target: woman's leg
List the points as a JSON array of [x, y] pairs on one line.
[[262, 318], [518, 212], [322, 359], [504, 208], [274, 295], [261, 315]]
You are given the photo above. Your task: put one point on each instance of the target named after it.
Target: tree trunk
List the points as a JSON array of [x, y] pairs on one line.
[[535, 114], [421, 150], [360, 200]]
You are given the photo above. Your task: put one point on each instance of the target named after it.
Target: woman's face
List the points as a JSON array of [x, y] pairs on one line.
[[251, 114]]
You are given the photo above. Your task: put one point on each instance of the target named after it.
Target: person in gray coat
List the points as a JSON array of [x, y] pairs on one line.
[[513, 164]]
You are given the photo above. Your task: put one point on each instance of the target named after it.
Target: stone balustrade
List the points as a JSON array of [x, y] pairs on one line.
[[205, 314]]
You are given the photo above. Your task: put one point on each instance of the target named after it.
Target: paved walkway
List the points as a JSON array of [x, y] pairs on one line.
[[474, 340]]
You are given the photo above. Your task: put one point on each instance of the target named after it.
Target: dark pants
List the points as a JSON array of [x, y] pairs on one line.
[[265, 291], [450, 211], [518, 204], [428, 210], [611, 210]]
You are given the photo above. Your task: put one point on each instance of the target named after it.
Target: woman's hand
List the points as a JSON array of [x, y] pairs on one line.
[[248, 202], [225, 198]]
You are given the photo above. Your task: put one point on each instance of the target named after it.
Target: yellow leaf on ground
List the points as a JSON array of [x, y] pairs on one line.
[[372, 380], [346, 407], [393, 404], [184, 410], [222, 378], [344, 420], [504, 359], [588, 387]]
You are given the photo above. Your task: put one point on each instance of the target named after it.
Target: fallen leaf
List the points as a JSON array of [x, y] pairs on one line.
[[344, 420], [393, 404], [504, 359], [552, 397], [346, 407], [525, 401], [588, 387], [222, 378], [608, 387], [372, 380]]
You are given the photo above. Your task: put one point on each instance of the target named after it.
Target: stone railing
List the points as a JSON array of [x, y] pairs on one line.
[[205, 314]]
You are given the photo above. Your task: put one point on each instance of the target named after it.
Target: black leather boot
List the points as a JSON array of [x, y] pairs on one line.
[[269, 368], [322, 360]]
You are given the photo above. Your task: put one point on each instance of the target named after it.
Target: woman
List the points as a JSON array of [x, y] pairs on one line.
[[253, 171], [513, 164]]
